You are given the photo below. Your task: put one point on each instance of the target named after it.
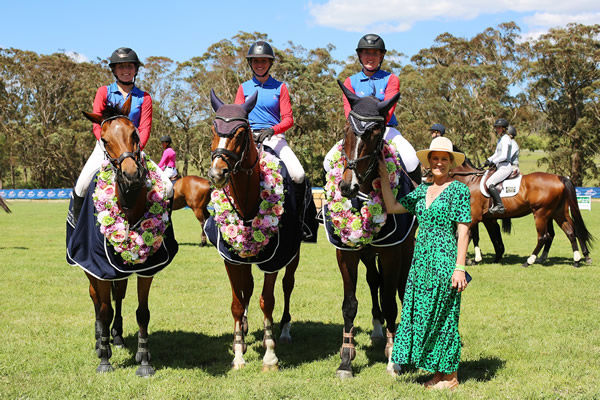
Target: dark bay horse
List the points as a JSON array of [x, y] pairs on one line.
[[194, 192], [121, 144], [235, 169], [361, 149], [549, 197]]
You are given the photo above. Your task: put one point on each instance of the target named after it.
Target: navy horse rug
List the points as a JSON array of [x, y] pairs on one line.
[[271, 239], [127, 250]]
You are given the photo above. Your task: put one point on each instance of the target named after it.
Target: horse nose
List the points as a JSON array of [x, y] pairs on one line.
[[348, 189], [216, 176]]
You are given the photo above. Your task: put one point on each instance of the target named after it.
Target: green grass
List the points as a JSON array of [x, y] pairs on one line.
[[527, 333]]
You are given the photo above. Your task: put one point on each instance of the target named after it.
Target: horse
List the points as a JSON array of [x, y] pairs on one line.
[[361, 149], [548, 196], [194, 192], [106, 267], [4, 205], [237, 174]]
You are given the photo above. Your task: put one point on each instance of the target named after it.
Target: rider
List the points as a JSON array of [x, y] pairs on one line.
[[167, 162], [373, 81], [505, 156], [124, 64], [272, 114], [437, 130]]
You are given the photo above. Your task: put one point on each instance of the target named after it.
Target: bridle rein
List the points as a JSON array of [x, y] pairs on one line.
[[370, 123]]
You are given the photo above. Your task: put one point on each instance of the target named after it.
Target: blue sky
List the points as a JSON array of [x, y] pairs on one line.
[[181, 29]]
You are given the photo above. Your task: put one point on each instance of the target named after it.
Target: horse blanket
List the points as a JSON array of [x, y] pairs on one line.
[[285, 244], [88, 249]]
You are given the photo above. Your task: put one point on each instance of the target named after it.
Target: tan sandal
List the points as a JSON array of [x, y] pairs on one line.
[[441, 385]]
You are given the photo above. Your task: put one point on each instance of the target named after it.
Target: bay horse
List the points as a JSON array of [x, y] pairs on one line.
[[121, 145], [194, 192], [360, 154], [235, 169], [548, 196]]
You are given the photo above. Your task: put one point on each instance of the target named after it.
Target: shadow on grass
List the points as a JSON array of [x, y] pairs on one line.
[[311, 341], [518, 260], [14, 248], [195, 244], [483, 369]]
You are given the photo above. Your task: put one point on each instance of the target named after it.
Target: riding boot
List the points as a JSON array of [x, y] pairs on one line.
[[497, 207], [300, 192], [77, 204]]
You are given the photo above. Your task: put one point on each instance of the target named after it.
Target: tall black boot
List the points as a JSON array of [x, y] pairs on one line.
[[77, 204], [497, 207], [300, 192]]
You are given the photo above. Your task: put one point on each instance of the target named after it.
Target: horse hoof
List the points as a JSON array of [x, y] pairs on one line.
[[525, 264], [343, 374], [118, 341], [145, 371], [576, 264], [285, 340], [237, 367], [376, 340], [104, 367], [267, 368], [588, 260]]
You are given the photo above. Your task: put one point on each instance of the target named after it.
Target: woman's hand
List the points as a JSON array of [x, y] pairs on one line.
[[383, 172], [459, 280]]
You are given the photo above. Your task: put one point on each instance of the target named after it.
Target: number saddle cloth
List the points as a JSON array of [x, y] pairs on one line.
[[88, 249], [396, 227], [285, 244]]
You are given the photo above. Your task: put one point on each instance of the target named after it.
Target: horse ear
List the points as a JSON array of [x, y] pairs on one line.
[[384, 106], [215, 102], [126, 108], [250, 102], [352, 97], [96, 118]]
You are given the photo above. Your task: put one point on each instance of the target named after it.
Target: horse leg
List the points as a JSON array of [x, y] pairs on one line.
[[566, 224], [267, 304], [541, 225], [493, 229], [199, 213], [374, 280], [391, 272], [143, 319], [119, 288], [240, 278], [476, 248], [104, 315], [288, 283], [548, 244], [348, 266]]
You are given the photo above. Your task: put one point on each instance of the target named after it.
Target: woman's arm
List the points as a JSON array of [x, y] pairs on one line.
[[391, 204], [459, 281]]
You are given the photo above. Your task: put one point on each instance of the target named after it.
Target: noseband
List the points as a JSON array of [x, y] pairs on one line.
[[372, 157], [130, 189], [232, 159]]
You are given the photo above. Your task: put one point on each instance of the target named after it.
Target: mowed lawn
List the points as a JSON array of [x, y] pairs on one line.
[[527, 332]]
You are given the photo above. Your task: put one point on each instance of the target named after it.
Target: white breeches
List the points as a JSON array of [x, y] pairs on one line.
[[285, 153], [170, 172], [92, 166], [503, 171]]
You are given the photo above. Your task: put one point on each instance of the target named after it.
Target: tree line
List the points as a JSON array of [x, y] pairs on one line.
[[548, 88]]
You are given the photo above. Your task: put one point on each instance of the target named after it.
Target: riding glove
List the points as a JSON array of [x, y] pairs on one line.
[[487, 163], [264, 134]]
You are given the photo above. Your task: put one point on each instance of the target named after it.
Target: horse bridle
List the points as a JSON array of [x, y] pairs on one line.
[[373, 156], [140, 176], [228, 156]]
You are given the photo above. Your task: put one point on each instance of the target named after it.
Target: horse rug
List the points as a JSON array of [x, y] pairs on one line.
[[88, 249], [510, 187], [285, 244], [395, 230]]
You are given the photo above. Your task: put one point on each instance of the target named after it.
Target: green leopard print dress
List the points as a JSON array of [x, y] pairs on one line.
[[427, 336]]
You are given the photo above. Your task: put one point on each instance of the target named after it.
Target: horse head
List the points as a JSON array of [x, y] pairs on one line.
[[363, 140], [232, 145], [121, 144]]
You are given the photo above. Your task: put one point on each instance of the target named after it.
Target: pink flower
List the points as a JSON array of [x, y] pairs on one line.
[[147, 224], [231, 231], [278, 210]]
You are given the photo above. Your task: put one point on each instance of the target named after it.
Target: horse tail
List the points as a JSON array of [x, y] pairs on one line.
[[581, 231], [506, 225]]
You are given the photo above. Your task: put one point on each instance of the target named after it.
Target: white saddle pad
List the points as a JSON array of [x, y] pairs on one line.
[[510, 187]]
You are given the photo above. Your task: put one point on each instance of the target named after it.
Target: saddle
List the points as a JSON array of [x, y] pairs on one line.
[[507, 188]]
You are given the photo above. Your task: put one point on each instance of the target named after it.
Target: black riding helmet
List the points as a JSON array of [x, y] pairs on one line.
[[370, 41], [438, 127], [124, 55], [512, 131], [260, 49], [165, 138], [501, 122]]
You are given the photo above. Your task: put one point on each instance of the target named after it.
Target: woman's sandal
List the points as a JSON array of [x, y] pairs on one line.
[[441, 385]]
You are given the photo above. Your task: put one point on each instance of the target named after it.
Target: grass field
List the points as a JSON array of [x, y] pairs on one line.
[[528, 333]]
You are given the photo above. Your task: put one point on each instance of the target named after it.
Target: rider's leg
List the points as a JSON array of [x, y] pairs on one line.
[[90, 168], [501, 173]]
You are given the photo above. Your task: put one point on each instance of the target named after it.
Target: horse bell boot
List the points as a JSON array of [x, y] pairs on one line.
[[497, 207]]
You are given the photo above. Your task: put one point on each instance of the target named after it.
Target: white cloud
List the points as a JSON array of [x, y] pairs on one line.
[[75, 56], [401, 15]]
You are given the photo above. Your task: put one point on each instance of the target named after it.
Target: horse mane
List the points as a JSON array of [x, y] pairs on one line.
[[111, 111]]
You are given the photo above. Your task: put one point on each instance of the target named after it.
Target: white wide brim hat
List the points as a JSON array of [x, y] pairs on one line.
[[440, 143]]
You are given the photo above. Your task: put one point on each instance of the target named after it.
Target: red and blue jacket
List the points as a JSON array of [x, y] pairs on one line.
[[140, 113], [273, 108], [381, 84]]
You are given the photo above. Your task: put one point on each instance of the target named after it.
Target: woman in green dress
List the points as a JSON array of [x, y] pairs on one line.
[[427, 336]]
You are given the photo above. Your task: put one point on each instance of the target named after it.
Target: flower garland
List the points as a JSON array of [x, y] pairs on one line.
[[248, 241], [137, 243], [357, 228]]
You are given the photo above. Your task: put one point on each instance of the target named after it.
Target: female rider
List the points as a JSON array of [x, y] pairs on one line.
[[167, 162]]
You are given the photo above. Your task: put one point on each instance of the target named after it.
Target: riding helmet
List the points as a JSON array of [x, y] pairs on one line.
[[512, 131], [371, 41], [261, 49], [501, 122], [438, 127], [124, 55], [165, 138]]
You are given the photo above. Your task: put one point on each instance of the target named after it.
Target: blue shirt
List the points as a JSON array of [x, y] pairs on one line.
[[374, 85], [268, 109]]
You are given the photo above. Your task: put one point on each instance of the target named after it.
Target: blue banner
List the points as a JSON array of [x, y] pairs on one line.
[[594, 192], [35, 194]]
